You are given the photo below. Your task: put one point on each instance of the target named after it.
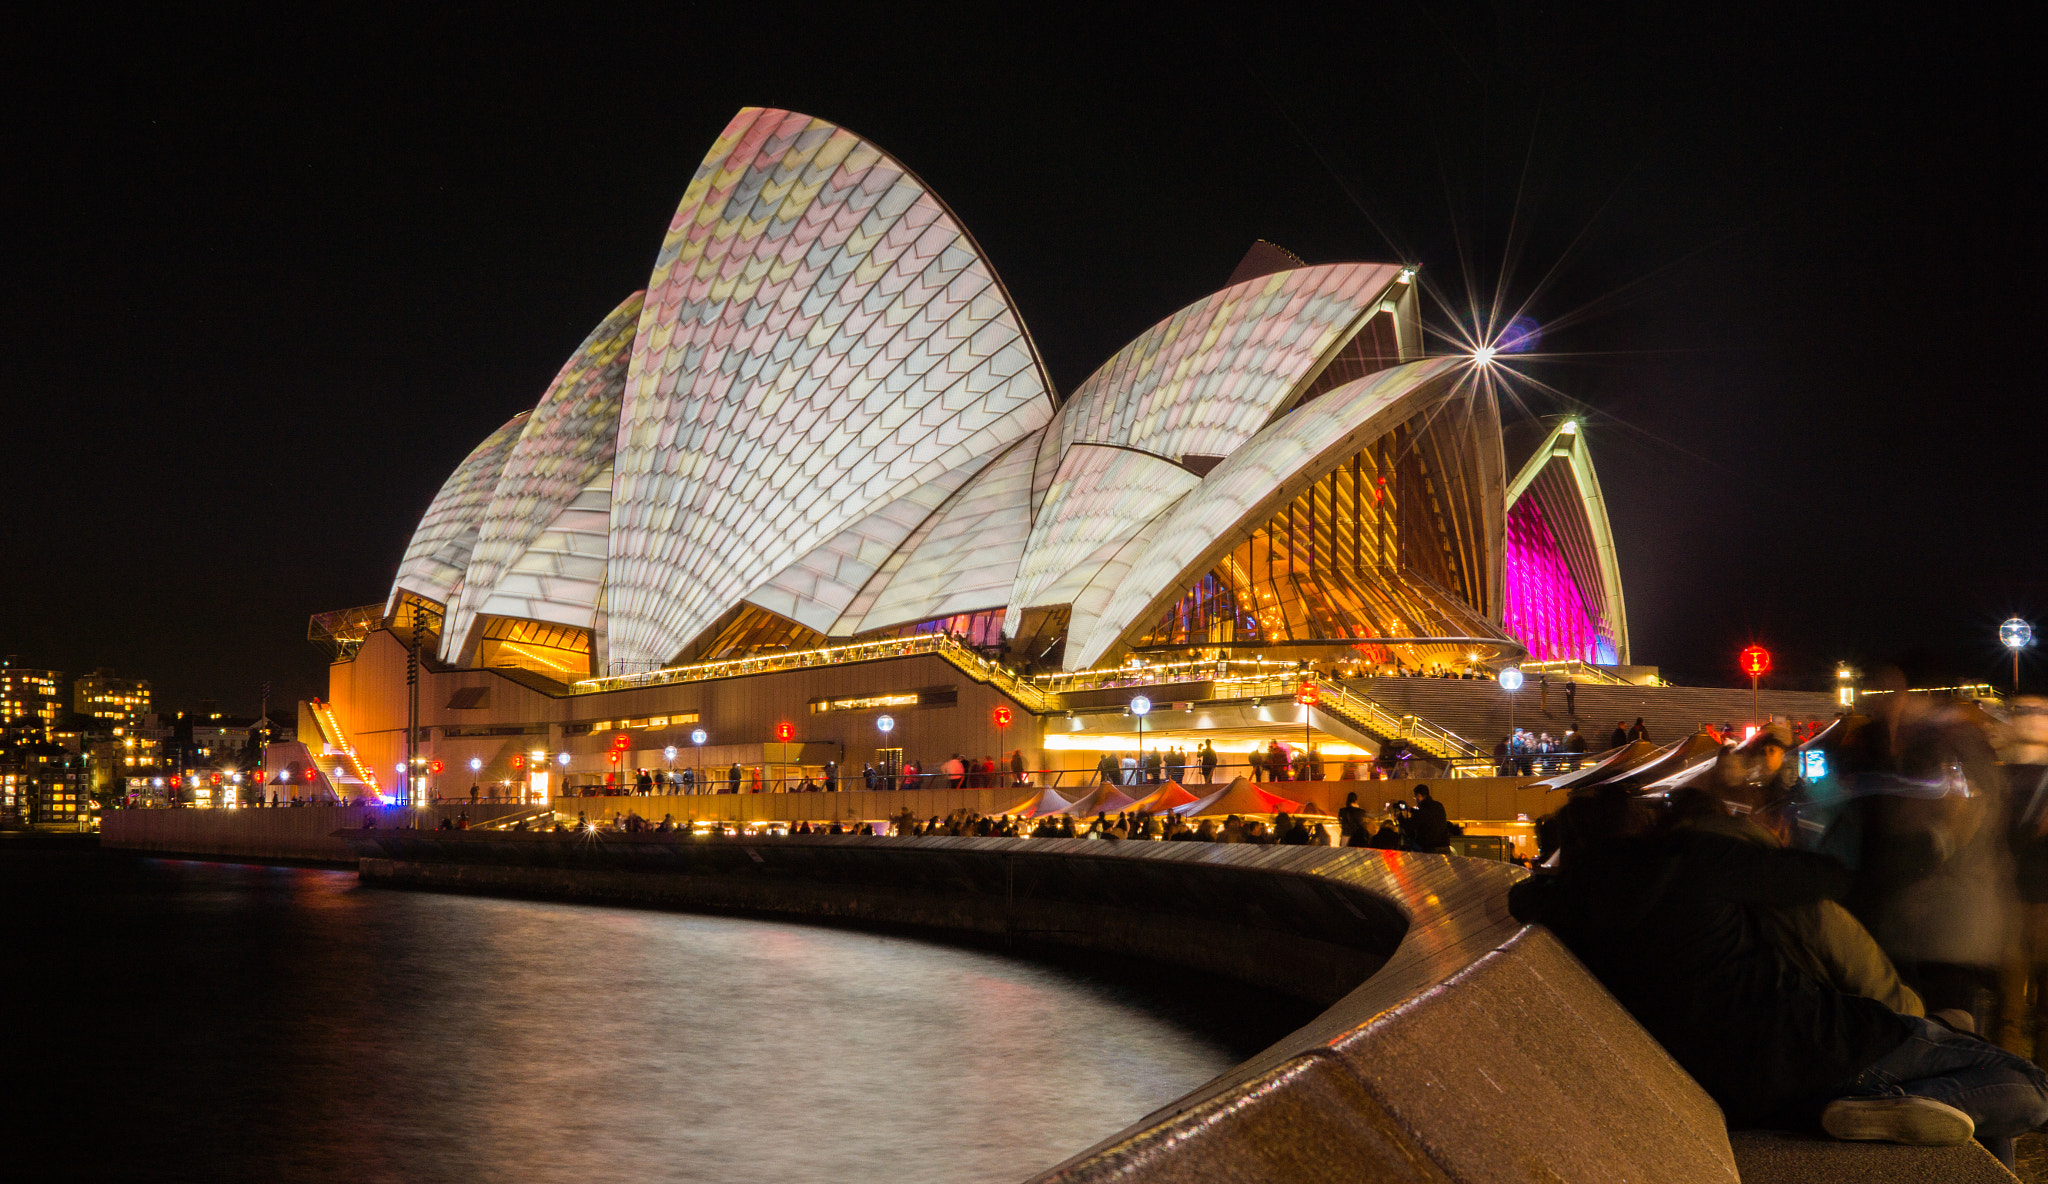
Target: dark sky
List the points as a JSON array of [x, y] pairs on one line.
[[265, 284]]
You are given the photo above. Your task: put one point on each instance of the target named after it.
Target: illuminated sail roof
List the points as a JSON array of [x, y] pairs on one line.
[[1268, 471], [821, 338], [824, 419], [439, 552], [1562, 596], [1196, 385], [566, 443]]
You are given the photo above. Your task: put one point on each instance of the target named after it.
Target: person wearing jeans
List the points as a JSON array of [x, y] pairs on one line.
[[1942, 1086]]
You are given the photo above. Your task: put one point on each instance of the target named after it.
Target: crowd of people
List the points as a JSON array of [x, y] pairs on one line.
[[1826, 949]]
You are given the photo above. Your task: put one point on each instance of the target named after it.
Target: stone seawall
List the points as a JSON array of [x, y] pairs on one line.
[[303, 834], [1456, 1044]]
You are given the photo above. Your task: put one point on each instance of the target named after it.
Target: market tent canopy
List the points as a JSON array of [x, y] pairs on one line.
[[1167, 797], [1103, 799], [1696, 750], [1618, 761], [1239, 797], [1045, 802]]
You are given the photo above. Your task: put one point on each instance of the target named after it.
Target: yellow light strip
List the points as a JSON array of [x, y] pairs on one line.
[[348, 751]]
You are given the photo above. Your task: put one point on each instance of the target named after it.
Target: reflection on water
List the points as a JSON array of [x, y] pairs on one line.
[[231, 1022]]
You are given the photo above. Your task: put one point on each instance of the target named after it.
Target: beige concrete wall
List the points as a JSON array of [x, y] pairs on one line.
[[368, 695]]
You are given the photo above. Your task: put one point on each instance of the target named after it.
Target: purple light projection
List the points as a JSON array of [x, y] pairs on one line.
[[1545, 608]]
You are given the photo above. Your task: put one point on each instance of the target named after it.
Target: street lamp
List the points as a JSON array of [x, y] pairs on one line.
[[1141, 707], [697, 737], [1511, 681], [1756, 662], [2015, 635]]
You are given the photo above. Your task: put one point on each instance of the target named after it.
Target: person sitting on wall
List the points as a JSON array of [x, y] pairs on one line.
[[1671, 922]]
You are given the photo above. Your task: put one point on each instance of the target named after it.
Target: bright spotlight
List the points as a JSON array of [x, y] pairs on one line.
[[1483, 355]]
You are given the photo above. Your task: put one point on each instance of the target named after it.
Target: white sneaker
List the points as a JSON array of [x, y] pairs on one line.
[[1915, 1121]]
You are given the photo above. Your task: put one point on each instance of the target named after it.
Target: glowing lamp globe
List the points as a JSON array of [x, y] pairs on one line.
[[1511, 679], [475, 763], [1141, 705], [785, 732], [1756, 661], [669, 752], [699, 736], [562, 759], [2015, 634], [1003, 717], [887, 723]]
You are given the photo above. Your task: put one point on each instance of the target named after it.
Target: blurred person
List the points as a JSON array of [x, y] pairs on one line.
[[1430, 828], [1925, 828], [1619, 736], [1351, 822], [1670, 922], [1208, 763]]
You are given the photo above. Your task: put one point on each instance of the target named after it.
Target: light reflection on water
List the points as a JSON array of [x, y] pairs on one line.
[[286, 1023]]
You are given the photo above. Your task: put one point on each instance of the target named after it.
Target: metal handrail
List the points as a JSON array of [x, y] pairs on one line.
[[944, 645]]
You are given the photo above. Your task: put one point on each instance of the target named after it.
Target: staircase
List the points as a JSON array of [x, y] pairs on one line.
[[1477, 709], [1387, 726]]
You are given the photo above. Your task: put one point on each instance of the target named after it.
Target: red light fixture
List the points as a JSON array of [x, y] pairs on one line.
[[435, 767], [785, 732], [1003, 717], [519, 762], [1307, 696], [622, 742], [1756, 661]]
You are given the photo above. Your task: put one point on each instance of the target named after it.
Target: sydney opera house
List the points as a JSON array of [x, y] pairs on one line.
[[811, 496]]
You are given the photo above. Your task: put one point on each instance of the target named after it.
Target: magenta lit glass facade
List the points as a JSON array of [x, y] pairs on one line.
[[1545, 606]]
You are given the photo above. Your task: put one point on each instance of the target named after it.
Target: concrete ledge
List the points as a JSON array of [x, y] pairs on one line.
[[1776, 1157]]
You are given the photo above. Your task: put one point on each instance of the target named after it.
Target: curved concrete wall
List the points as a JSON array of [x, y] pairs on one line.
[[1457, 1045]]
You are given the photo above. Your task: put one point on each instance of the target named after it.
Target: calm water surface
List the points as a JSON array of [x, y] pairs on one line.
[[224, 1022]]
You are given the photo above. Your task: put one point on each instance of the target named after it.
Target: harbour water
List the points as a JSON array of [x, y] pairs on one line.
[[184, 1020]]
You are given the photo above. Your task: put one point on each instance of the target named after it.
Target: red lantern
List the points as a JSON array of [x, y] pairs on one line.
[[435, 767], [622, 742], [1307, 696], [1003, 717], [785, 732], [519, 762], [613, 757], [1756, 661]]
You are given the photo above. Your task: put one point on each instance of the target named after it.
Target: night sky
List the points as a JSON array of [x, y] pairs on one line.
[[266, 284]]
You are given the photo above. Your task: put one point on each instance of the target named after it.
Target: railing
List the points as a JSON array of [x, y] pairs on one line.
[[944, 645], [1069, 783], [332, 727]]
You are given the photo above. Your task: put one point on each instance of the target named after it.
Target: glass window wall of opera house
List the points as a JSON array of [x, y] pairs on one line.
[[809, 503]]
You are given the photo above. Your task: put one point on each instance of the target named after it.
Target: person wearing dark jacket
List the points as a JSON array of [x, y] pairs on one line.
[[1429, 829], [1670, 923]]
